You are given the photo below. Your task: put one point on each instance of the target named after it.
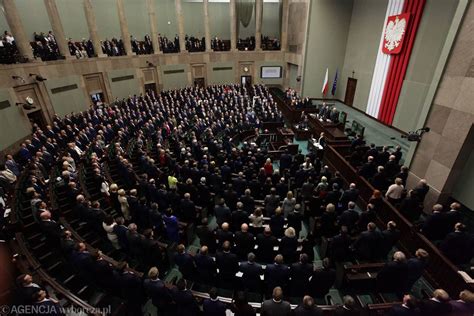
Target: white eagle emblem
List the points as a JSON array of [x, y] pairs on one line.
[[394, 33]]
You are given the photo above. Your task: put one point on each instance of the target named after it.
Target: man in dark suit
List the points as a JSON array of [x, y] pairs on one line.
[[27, 288], [458, 245], [348, 308], [407, 308], [271, 202], [390, 237], [248, 201], [222, 213], [372, 151], [415, 267], [228, 266], [276, 274], [266, 242], [206, 266], [277, 223], [50, 228], [212, 306], [349, 217], [103, 272], [43, 302], [157, 291], [367, 245], [135, 242], [132, 289], [368, 169], [251, 272], [231, 197], [300, 272], [392, 277], [339, 246], [185, 263], [322, 279], [239, 217], [276, 306], [186, 305], [438, 305], [188, 209], [307, 308], [206, 235], [224, 234], [295, 218], [244, 242], [435, 226]]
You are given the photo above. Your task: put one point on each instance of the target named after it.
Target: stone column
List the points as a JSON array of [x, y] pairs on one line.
[[207, 29], [92, 26], [180, 19], [233, 26], [153, 28], [284, 25], [16, 29], [124, 28], [57, 28], [258, 24]]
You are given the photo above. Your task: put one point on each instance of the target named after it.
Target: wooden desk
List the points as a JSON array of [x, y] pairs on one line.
[[331, 131]]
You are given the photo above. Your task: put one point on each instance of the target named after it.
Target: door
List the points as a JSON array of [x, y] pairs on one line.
[[246, 80], [38, 118], [199, 82], [350, 91], [150, 87]]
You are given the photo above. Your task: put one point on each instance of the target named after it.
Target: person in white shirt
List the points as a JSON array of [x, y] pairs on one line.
[[395, 191]]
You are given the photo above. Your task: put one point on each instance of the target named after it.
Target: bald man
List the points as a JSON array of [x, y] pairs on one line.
[[276, 306], [206, 266], [244, 242], [307, 308]]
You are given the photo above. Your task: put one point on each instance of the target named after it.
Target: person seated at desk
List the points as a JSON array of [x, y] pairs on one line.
[[334, 115], [324, 111]]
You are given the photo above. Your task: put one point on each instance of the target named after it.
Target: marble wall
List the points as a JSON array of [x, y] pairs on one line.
[[443, 152]]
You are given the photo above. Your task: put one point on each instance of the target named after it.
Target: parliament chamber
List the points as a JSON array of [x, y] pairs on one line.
[[236, 157]]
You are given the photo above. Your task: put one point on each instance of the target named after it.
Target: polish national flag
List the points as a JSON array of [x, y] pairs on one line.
[[325, 84]]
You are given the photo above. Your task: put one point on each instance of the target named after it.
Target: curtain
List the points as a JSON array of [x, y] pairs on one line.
[[244, 10]]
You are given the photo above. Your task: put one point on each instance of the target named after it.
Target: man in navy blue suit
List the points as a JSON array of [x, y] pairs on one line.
[[158, 292], [185, 263], [300, 273], [212, 306], [276, 274], [228, 265], [206, 266], [251, 272]]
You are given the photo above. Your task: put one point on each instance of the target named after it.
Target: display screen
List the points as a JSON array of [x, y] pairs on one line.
[[270, 72]]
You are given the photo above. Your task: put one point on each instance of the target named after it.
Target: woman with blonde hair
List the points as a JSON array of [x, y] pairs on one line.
[[288, 204], [124, 207], [289, 244]]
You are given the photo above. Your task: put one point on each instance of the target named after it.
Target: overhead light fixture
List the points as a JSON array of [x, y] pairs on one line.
[[38, 77]]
